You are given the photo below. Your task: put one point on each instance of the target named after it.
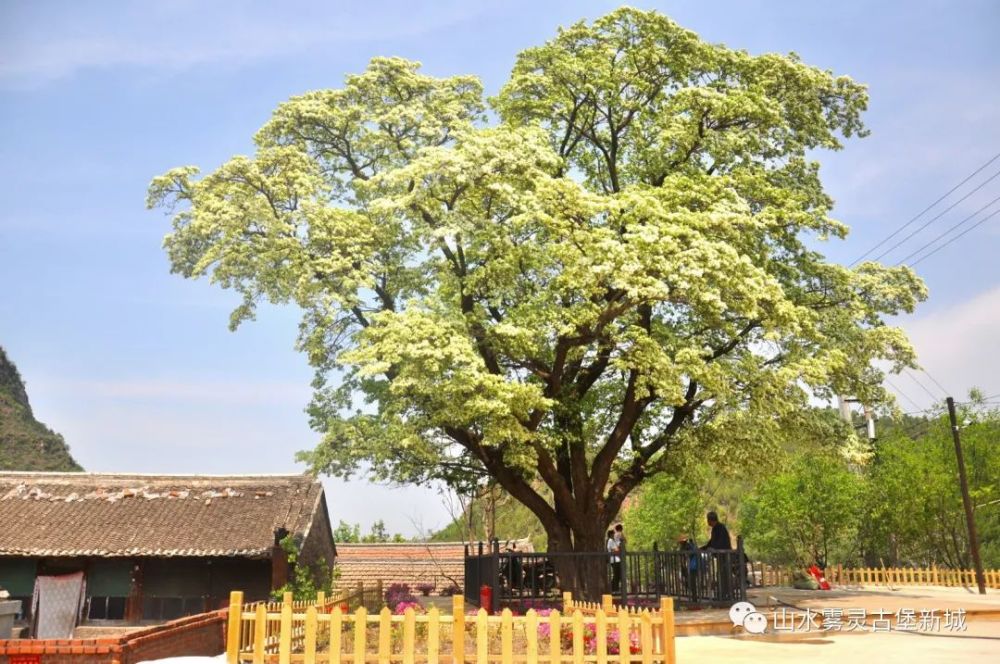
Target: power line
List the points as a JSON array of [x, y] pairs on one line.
[[970, 228], [902, 393], [926, 209], [950, 229], [913, 377], [938, 216], [928, 374]]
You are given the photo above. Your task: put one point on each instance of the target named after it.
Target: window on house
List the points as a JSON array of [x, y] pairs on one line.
[[168, 608], [106, 608]]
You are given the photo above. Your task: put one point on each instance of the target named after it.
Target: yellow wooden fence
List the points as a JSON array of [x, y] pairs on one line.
[[910, 576], [315, 636], [345, 598]]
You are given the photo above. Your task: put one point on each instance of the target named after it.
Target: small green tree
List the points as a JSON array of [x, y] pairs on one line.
[[347, 533], [806, 514], [665, 508], [305, 580]]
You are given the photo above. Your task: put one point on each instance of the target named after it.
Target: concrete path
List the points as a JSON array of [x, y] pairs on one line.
[[981, 643]]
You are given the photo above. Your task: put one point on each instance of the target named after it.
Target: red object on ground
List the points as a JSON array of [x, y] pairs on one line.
[[817, 574], [486, 599]]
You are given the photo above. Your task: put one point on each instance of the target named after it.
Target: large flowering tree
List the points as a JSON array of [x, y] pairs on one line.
[[613, 269]]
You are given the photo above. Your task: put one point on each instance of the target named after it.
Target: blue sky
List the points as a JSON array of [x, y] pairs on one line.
[[136, 367]]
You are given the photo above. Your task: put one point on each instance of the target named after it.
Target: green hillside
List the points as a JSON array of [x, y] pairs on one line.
[[26, 443]]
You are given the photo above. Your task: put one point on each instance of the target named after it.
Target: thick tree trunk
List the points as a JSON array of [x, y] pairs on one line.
[[582, 567]]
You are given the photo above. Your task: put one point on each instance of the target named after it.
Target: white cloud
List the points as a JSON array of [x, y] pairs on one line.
[[958, 346]]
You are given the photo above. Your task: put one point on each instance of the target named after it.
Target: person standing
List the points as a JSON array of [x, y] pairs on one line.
[[689, 569], [613, 559], [719, 537], [620, 550], [721, 546]]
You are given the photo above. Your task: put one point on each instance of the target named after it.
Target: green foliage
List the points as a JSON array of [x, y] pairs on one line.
[[806, 514], [667, 507], [351, 534], [914, 513], [305, 580], [26, 443], [616, 273]]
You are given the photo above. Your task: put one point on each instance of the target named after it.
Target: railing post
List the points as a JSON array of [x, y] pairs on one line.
[[667, 615], [495, 580], [320, 598], [657, 571], [567, 603], [233, 627], [606, 603], [742, 566], [287, 597]]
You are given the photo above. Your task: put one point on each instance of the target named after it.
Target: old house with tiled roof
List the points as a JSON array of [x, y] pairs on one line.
[[156, 547]]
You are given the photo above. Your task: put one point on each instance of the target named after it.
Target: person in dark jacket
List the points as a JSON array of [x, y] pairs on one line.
[[719, 538], [720, 541]]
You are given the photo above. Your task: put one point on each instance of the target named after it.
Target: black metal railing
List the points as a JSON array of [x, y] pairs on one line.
[[517, 579]]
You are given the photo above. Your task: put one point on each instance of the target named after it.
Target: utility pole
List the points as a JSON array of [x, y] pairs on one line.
[[966, 500], [844, 404]]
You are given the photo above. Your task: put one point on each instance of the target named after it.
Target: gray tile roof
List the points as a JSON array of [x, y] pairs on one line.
[[98, 514]]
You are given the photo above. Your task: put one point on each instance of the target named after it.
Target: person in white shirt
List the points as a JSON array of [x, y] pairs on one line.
[[615, 561]]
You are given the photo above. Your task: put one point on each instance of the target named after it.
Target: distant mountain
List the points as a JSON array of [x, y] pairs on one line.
[[26, 443]]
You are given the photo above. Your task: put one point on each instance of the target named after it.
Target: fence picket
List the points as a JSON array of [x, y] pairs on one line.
[[531, 636], [360, 635], [336, 631], [433, 635], [624, 652], [555, 649], [482, 638], [384, 635], [259, 634], [646, 637], [234, 626], [285, 636], [507, 637], [667, 616], [409, 632], [458, 629], [577, 637], [601, 633], [310, 638]]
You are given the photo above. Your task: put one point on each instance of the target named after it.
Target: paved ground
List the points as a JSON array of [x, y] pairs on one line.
[[980, 641], [980, 644], [871, 599]]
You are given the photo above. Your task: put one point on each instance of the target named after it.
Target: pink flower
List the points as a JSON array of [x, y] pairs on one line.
[[403, 606]]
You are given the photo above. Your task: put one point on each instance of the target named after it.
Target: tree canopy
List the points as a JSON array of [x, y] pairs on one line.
[[614, 267]]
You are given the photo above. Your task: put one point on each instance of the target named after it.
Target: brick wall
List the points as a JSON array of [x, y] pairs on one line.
[[203, 634]]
